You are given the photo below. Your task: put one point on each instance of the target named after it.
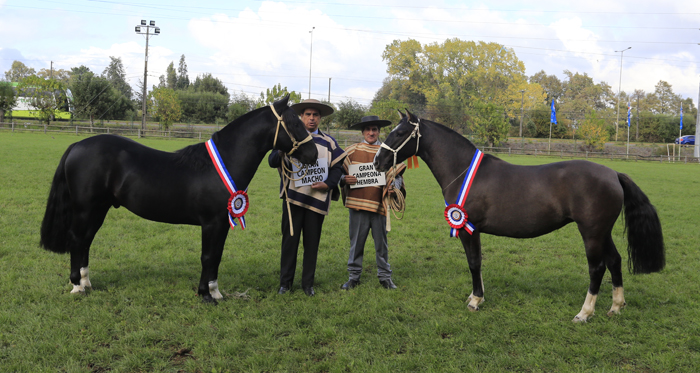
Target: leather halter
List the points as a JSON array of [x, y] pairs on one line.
[[295, 144], [414, 134]]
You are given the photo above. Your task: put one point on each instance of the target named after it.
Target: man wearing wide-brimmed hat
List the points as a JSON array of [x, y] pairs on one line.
[[307, 197], [368, 205]]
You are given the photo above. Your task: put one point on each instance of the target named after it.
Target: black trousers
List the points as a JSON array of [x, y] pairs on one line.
[[310, 223]]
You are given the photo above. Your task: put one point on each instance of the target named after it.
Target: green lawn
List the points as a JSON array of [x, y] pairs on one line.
[[143, 314]]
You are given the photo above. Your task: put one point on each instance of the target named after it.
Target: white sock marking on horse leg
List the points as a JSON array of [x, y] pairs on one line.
[[84, 282], [588, 308], [475, 301], [618, 301], [214, 290], [84, 278]]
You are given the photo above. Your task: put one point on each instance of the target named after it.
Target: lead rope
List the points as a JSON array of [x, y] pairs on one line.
[[399, 202], [287, 172]]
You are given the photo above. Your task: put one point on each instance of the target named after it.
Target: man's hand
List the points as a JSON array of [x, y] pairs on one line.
[[350, 180], [319, 185]]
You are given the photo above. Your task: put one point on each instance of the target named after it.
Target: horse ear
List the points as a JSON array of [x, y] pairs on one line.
[[401, 114], [411, 117], [284, 100]]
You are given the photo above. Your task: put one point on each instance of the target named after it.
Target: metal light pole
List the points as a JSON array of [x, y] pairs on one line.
[[696, 148], [311, 54], [522, 102], [147, 32], [618, 91]]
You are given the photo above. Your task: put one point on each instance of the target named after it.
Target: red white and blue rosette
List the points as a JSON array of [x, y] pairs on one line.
[[456, 216], [238, 204]]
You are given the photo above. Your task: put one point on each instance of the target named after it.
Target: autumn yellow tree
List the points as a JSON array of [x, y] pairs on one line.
[[593, 131], [456, 78]]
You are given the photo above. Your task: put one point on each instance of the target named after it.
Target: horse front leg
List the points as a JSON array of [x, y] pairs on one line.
[[472, 247], [213, 239]]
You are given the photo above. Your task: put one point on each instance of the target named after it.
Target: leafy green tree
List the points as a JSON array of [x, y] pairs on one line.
[[208, 83], [552, 86], [59, 74], [663, 100], [349, 112], [202, 107], [46, 96], [171, 77], [164, 105], [276, 93], [8, 99], [116, 75], [240, 104], [490, 124], [92, 95], [593, 131], [183, 81], [387, 110], [18, 71]]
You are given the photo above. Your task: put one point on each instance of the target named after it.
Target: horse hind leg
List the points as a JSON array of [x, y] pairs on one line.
[[613, 262], [595, 249], [82, 232]]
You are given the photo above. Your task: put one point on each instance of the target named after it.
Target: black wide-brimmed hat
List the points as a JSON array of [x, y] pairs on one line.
[[322, 108], [370, 120]]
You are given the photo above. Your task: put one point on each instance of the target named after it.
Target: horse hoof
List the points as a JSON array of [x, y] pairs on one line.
[[78, 289], [579, 319], [472, 308]]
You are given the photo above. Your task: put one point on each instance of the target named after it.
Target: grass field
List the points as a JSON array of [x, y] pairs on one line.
[[143, 314]]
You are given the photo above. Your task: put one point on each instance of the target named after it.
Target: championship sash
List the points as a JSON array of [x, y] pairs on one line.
[[238, 203], [455, 214]]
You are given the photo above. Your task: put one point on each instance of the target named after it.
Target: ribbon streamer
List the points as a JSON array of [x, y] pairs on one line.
[[238, 203]]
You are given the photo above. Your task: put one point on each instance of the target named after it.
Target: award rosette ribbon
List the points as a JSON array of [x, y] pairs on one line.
[[238, 204], [456, 216]]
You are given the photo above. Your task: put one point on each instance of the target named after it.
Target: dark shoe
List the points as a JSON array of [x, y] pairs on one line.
[[388, 284], [350, 284], [283, 289], [309, 291]]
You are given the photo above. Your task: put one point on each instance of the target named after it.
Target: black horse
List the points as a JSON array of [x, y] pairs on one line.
[[529, 201], [183, 187]]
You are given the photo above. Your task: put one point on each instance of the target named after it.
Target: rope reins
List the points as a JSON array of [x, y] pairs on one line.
[[398, 203], [286, 172]]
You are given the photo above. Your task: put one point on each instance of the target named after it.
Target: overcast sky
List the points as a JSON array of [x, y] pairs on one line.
[[252, 45]]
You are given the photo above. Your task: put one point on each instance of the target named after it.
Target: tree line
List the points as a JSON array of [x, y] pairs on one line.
[[477, 88]]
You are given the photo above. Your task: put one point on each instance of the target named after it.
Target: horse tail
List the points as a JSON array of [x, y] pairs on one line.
[[645, 239], [58, 215]]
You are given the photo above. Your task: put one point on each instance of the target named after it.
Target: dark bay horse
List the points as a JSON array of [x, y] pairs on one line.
[[529, 201], [182, 187]]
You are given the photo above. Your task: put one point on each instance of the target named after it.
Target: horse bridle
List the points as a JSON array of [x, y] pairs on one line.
[[280, 122], [414, 134]]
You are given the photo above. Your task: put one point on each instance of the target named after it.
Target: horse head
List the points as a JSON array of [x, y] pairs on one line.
[[294, 140], [402, 142]]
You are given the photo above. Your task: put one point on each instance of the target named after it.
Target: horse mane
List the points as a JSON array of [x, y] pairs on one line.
[[453, 134], [197, 157]]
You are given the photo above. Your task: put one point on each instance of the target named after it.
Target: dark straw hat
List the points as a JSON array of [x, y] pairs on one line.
[[370, 120], [322, 108]]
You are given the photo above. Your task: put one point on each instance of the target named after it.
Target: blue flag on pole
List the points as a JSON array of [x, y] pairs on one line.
[[629, 114], [681, 117], [553, 119]]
